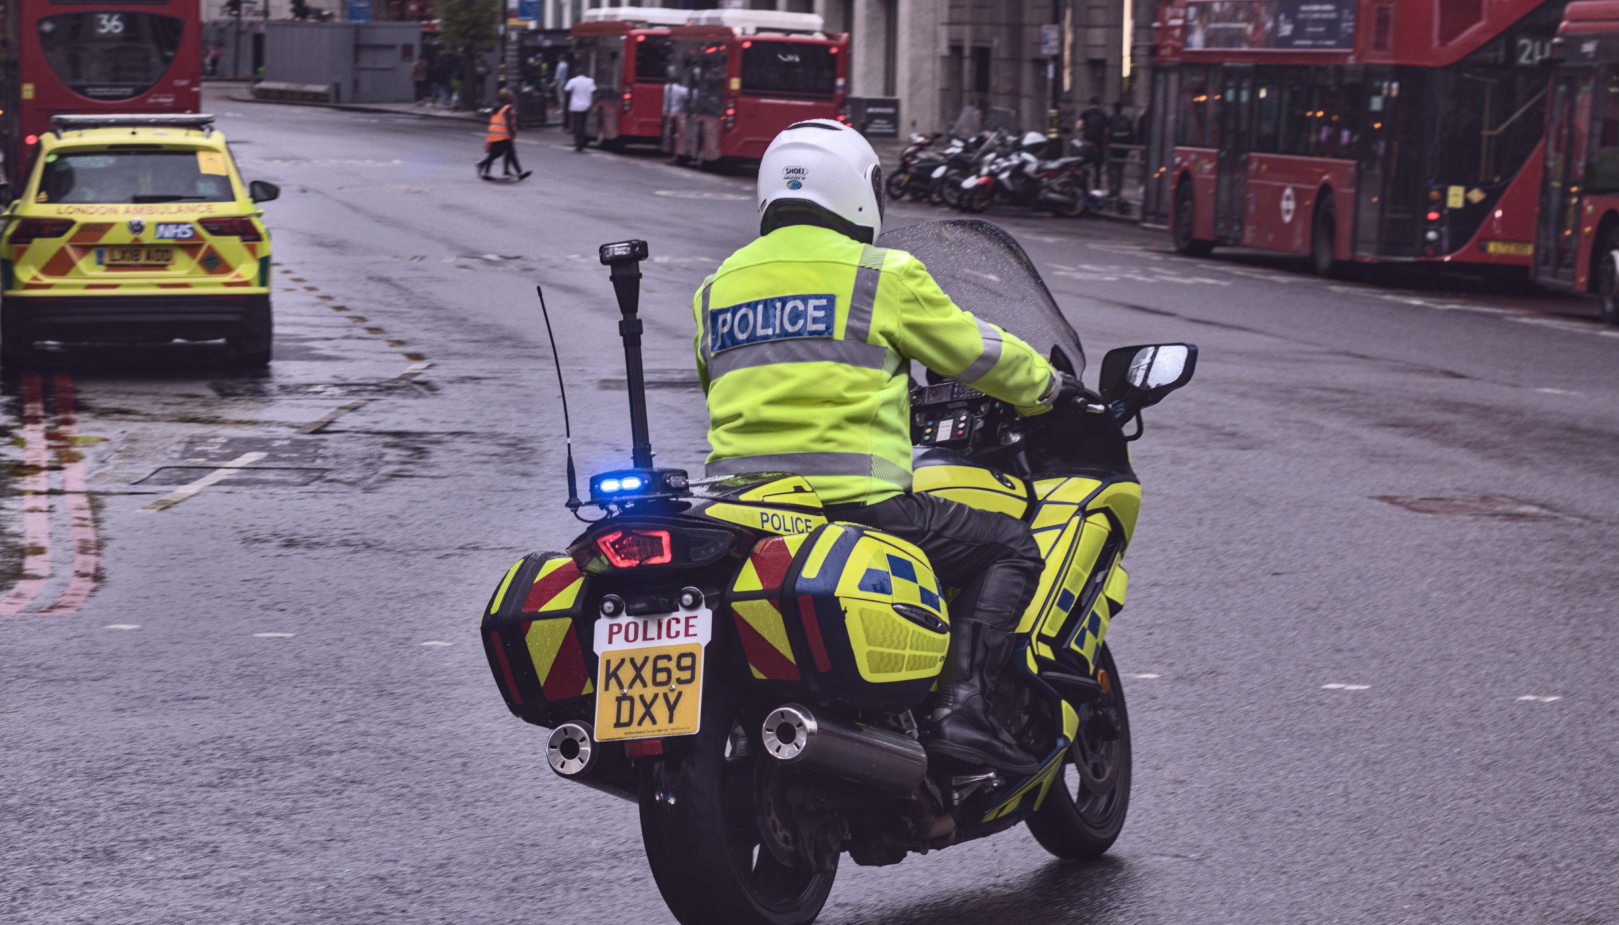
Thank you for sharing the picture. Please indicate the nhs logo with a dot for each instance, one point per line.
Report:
(771, 319)
(175, 231)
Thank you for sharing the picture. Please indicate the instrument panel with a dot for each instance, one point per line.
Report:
(946, 414)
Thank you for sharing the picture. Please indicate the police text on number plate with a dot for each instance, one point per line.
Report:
(650, 674)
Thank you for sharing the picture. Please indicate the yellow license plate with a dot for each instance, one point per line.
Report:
(1516, 248)
(651, 692)
(137, 256)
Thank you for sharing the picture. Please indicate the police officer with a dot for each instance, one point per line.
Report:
(822, 390)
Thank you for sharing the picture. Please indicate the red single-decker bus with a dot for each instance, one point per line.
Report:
(94, 58)
(741, 76)
(1351, 130)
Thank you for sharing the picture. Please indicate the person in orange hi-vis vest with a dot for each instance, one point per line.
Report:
(501, 141)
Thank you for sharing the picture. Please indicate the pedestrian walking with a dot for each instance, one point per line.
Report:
(581, 94)
(562, 96)
(216, 50)
(1121, 134)
(501, 142)
(418, 77)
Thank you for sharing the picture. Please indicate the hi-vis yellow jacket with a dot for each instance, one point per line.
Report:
(804, 343)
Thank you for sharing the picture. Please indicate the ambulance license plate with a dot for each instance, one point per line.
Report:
(649, 674)
(136, 256)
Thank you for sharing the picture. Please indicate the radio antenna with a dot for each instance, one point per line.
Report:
(573, 503)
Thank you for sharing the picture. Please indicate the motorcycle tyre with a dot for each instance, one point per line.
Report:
(896, 184)
(1069, 210)
(692, 849)
(1058, 825)
(977, 199)
(950, 191)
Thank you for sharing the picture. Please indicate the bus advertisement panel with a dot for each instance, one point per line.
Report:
(741, 76)
(1351, 130)
(93, 58)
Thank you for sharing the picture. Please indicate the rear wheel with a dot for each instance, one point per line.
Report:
(1324, 239)
(1605, 274)
(1066, 207)
(950, 190)
(700, 826)
(1084, 811)
(1183, 221)
(896, 184)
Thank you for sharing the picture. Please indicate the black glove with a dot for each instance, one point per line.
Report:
(1069, 390)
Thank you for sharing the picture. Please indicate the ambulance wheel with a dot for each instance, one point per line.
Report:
(1184, 220)
(16, 346)
(1085, 808)
(250, 349)
(701, 829)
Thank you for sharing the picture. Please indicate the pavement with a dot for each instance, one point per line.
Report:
(1368, 650)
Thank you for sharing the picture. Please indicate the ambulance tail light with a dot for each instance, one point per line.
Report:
(30, 228)
(231, 228)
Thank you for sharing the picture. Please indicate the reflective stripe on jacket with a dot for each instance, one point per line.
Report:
(804, 342)
(500, 126)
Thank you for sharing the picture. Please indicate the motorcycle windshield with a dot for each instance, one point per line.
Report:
(986, 272)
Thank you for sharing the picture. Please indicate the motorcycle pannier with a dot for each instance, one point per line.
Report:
(536, 635)
(842, 614)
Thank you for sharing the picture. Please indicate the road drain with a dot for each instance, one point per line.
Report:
(314, 389)
(267, 477)
(1477, 507)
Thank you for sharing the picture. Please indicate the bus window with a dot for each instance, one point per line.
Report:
(110, 55)
(1195, 127)
(652, 58)
(1603, 175)
(1268, 112)
(789, 67)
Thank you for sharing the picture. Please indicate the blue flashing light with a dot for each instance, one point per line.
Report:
(610, 485)
(631, 482)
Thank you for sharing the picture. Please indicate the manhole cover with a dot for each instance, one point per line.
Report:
(268, 477)
(1479, 507)
(276, 450)
(313, 389)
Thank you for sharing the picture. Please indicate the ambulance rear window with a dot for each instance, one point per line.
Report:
(136, 176)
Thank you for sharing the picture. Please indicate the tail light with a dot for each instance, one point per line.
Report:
(629, 96)
(730, 118)
(30, 228)
(635, 546)
(231, 227)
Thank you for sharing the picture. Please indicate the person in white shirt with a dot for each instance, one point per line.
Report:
(557, 85)
(581, 90)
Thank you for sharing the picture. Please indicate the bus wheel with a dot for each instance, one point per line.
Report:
(1606, 271)
(1324, 241)
(1181, 224)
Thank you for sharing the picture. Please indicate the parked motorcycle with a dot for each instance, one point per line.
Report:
(753, 674)
(1021, 178)
(898, 183)
(963, 162)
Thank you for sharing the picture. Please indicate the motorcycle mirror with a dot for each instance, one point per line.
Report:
(1140, 377)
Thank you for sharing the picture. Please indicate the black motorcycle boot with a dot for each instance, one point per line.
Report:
(960, 727)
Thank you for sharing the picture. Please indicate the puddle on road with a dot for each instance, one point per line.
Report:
(1477, 507)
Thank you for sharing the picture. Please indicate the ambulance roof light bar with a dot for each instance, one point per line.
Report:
(200, 120)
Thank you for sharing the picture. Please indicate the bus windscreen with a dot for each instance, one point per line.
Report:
(789, 67)
(110, 55)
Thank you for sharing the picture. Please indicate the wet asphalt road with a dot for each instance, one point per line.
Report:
(273, 708)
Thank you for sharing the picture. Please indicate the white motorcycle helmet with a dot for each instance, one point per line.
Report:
(823, 173)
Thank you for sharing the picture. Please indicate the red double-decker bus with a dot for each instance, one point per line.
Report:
(1577, 247)
(93, 57)
(1351, 130)
(741, 76)
(625, 49)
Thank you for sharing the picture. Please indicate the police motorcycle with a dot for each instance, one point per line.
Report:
(751, 674)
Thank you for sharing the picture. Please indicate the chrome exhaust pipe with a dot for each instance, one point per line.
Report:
(573, 752)
(866, 755)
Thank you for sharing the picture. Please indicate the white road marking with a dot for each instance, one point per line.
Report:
(437, 642)
(275, 635)
(1145, 677)
(1538, 698)
(332, 415)
(1346, 687)
(180, 494)
(414, 370)
(122, 626)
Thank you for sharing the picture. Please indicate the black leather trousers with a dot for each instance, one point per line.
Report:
(991, 557)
